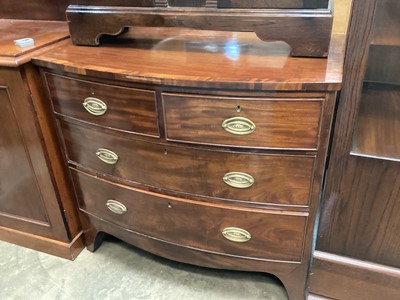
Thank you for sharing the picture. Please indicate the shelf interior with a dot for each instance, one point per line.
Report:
(377, 130)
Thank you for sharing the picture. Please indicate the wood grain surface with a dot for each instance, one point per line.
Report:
(236, 61)
(279, 123)
(24, 166)
(361, 201)
(44, 33)
(279, 179)
(347, 278)
(274, 236)
(18, 178)
(131, 110)
(376, 132)
(306, 31)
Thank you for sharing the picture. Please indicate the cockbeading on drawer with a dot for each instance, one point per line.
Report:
(117, 107)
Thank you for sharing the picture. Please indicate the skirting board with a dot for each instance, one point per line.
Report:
(65, 250)
(344, 278)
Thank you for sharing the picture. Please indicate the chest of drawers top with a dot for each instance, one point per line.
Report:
(201, 59)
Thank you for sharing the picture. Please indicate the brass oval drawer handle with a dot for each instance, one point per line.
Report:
(239, 126)
(107, 156)
(237, 235)
(238, 180)
(95, 106)
(116, 207)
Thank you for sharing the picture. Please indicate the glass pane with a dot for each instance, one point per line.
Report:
(377, 131)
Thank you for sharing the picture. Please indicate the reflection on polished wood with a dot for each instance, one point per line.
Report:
(193, 171)
(45, 34)
(275, 235)
(216, 59)
(305, 26)
(386, 24)
(377, 131)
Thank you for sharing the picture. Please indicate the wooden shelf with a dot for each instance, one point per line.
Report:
(377, 131)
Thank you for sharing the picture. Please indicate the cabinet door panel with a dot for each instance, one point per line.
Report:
(19, 193)
(28, 196)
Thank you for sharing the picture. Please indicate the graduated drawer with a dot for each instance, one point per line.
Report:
(116, 107)
(280, 179)
(243, 122)
(223, 229)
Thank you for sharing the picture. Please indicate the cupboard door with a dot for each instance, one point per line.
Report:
(359, 218)
(377, 130)
(28, 200)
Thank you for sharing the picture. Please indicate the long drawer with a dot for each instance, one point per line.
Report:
(116, 107)
(279, 179)
(233, 231)
(243, 122)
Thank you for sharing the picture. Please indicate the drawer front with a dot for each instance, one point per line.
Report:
(110, 106)
(273, 178)
(242, 122)
(221, 229)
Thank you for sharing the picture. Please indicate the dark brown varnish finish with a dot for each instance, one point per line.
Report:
(358, 238)
(280, 123)
(307, 30)
(128, 109)
(151, 56)
(34, 204)
(279, 179)
(274, 236)
(188, 175)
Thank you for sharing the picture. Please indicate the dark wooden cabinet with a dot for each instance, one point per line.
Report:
(36, 210)
(358, 242)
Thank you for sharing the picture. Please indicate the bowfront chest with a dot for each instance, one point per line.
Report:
(202, 147)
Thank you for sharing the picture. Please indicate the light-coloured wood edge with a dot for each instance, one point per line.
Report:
(316, 297)
(22, 59)
(341, 277)
(64, 250)
(341, 21)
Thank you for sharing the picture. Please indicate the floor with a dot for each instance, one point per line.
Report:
(120, 271)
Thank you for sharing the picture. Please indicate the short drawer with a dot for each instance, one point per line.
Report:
(223, 229)
(243, 122)
(279, 179)
(110, 106)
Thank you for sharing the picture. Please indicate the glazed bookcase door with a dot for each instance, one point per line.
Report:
(377, 129)
(358, 237)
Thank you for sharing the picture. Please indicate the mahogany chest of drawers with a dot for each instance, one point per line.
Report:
(196, 156)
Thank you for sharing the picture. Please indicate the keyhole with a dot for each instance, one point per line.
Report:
(92, 91)
(238, 108)
(165, 152)
(169, 205)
